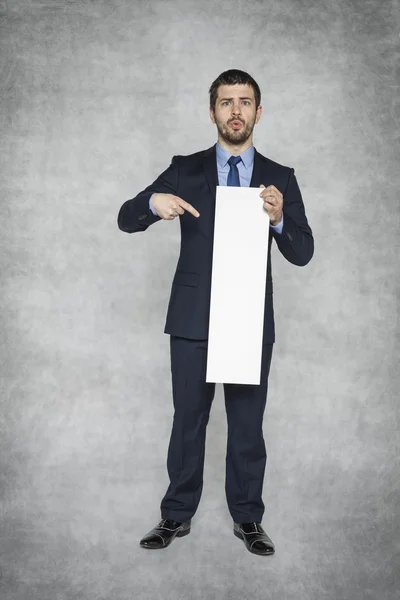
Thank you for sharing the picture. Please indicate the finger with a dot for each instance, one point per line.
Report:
(186, 206)
(273, 203)
(269, 203)
(274, 189)
(178, 209)
(277, 198)
(271, 189)
(268, 192)
(270, 198)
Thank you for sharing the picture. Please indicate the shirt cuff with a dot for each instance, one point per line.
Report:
(278, 228)
(151, 206)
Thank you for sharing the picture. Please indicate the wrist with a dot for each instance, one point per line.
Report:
(275, 223)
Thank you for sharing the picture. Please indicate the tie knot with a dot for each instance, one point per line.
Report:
(234, 160)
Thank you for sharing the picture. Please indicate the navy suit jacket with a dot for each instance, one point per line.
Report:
(194, 178)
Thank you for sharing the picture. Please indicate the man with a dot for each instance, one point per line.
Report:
(187, 188)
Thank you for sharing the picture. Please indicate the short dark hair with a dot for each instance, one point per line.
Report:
(232, 77)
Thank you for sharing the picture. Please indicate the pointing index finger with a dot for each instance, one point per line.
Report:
(186, 206)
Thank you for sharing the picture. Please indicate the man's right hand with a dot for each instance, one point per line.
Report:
(168, 206)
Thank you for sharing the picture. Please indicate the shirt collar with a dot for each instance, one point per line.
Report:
(223, 156)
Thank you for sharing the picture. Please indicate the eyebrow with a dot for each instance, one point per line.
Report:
(241, 98)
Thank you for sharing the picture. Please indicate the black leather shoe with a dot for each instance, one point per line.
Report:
(163, 534)
(254, 537)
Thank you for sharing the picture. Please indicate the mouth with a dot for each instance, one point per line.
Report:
(236, 124)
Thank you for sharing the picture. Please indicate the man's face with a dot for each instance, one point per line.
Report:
(235, 113)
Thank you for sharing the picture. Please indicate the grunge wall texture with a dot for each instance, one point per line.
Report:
(97, 96)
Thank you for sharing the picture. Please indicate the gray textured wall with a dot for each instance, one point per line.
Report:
(97, 97)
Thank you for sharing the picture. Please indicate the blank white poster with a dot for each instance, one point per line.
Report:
(239, 270)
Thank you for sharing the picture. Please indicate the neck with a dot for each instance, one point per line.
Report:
(235, 149)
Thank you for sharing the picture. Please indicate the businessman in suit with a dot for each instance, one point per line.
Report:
(187, 189)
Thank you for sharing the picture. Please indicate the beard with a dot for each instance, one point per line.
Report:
(235, 136)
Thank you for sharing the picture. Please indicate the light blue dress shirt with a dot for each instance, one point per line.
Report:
(245, 168)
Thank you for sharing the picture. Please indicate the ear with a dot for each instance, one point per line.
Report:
(212, 117)
(258, 113)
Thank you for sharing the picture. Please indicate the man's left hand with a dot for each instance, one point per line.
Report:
(273, 203)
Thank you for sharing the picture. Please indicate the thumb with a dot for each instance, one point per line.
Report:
(261, 185)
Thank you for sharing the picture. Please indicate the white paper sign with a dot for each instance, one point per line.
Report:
(239, 270)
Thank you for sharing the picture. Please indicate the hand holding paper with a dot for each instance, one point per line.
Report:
(273, 203)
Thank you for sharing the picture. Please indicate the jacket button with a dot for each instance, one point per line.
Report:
(290, 237)
(142, 217)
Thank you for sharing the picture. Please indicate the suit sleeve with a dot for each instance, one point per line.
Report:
(135, 214)
(296, 241)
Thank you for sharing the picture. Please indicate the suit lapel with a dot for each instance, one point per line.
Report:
(256, 177)
(210, 168)
(211, 173)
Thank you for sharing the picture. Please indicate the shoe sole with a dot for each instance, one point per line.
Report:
(180, 534)
(239, 535)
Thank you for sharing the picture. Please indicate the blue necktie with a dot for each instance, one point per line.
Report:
(233, 175)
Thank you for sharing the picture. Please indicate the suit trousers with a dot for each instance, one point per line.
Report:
(246, 454)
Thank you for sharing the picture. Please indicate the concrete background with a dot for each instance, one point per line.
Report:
(97, 96)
